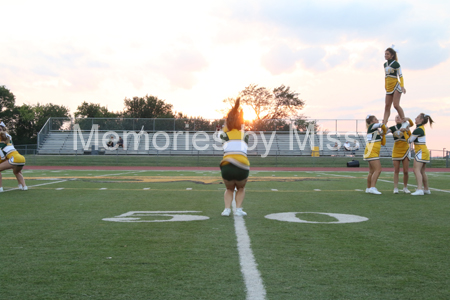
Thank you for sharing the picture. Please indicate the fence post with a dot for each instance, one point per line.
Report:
(276, 158)
(446, 163)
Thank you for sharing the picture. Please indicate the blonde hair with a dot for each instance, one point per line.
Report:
(235, 117)
(369, 120)
(4, 137)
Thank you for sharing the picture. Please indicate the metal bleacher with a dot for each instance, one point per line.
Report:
(282, 143)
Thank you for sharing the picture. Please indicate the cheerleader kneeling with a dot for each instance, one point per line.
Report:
(11, 159)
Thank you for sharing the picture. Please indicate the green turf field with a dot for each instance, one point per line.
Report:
(70, 237)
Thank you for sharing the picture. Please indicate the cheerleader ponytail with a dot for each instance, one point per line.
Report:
(427, 119)
(235, 117)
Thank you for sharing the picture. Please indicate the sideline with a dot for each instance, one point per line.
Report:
(156, 168)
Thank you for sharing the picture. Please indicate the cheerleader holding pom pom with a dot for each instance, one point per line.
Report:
(372, 153)
(422, 154)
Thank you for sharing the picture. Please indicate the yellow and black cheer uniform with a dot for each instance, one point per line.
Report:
(401, 149)
(8, 152)
(235, 164)
(373, 146)
(422, 154)
(392, 71)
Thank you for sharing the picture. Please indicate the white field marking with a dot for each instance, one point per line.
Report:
(348, 176)
(102, 189)
(252, 277)
(317, 190)
(59, 189)
(47, 183)
(291, 217)
(433, 189)
(129, 172)
(188, 189)
(358, 190)
(146, 188)
(274, 190)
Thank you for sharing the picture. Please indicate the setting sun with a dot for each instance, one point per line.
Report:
(249, 114)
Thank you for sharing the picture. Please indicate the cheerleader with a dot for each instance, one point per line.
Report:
(3, 128)
(400, 154)
(11, 159)
(234, 166)
(372, 153)
(422, 154)
(394, 85)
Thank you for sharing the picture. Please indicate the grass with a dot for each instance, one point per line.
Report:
(56, 245)
(201, 161)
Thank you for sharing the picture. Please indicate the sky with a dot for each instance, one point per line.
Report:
(194, 54)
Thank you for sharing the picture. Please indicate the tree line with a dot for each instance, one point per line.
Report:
(271, 107)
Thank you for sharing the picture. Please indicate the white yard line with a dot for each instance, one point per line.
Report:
(129, 172)
(348, 176)
(433, 189)
(252, 277)
(41, 184)
(47, 183)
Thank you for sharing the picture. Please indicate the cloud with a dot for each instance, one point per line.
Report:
(280, 59)
(420, 30)
(283, 59)
(179, 65)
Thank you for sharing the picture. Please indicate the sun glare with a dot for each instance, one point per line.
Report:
(249, 114)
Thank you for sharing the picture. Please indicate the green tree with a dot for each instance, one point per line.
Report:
(93, 110)
(24, 130)
(29, 120)
(274, 109)
(7, 99)
(7, 102)
(147, 107)
(281, 103)
(286, 103)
